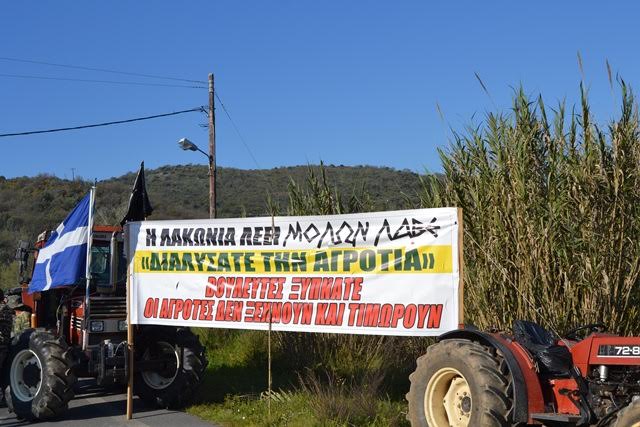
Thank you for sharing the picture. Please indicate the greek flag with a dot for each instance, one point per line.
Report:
(63, 259)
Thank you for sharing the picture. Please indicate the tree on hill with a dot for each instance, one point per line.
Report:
(29, 206)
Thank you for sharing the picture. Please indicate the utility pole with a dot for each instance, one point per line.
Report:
(212, 150)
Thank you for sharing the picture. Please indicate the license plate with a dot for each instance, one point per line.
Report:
(619, 351)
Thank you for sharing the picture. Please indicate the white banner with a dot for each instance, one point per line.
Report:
(381, 273)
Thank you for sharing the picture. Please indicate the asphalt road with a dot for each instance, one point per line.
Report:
(96, 407)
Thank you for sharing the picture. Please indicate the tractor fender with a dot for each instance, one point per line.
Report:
(520, 398)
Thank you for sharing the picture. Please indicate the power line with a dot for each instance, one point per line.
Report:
(137, 119)
(105, 70)
(102, 70)
(237, 130)
(24, 76)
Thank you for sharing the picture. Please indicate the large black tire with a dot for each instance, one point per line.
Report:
(175, 387)
(628, 416)
(39, 376)
(460, 383)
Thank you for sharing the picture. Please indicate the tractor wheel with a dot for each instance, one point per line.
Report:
(628, 416)
(460, 383)
(40, 379)
(174, 385)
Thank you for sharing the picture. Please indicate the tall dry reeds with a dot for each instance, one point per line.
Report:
(551, 213)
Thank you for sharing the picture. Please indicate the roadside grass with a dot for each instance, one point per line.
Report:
(251, 410)
(234, 391)
(294, 410)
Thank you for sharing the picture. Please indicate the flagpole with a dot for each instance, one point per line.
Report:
(130, 348)
(139, 208)
(92, 199)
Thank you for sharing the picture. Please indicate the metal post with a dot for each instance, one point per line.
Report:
(212, 150)
(87, 308)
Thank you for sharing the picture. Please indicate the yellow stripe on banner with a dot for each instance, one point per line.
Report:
(423, 259)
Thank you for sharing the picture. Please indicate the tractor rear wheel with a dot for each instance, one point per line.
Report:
(39, 376)
(628, 416)
(460, 383)
(174, 385)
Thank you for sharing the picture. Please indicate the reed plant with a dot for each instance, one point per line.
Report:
(551, 214)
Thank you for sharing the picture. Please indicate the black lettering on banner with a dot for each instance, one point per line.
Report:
(294, 233)
(313, 227)
(245, 237)
(198, 236)
(211, 237)
(151, 237)
(165, 238)
(416, 229)
(176, 239)
(186, 237)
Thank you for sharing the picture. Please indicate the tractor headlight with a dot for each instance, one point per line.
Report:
(122, 325)
(96, 326)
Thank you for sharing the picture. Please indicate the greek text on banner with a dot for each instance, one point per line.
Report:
(388, 273)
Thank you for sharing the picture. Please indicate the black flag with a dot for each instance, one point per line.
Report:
(139, 205)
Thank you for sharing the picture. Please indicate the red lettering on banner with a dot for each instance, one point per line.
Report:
(164, 310)
(390, 316)
(186, 309)
(434, 311)
(385, 316)
(372, 313)
(409, 316)
(208, 310)
(229, 311)
(245, 287)
(329, 314)
(435, 315)
(310, 300)
(177, 307)
(398, 312)
(196, 309)
(326, 288)
(149, 308)
(209, 289)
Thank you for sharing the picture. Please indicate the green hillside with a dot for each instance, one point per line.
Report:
(29, 205)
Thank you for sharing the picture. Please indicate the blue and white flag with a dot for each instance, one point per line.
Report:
(63, 259)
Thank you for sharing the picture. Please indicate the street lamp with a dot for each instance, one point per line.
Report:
(187, 145)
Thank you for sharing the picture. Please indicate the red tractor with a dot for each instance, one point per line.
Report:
(530, 377)
(79, 332)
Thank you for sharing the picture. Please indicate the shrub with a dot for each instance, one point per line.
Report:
(342, 401)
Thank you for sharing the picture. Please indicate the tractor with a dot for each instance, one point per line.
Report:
(529, 376)
(75, 331)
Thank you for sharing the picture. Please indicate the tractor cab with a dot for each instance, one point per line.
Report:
(92, 320)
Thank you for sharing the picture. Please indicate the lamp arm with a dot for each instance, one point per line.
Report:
(203, 153)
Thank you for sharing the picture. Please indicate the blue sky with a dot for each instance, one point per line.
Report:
(347, 82)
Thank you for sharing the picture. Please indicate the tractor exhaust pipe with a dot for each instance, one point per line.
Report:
(603, 370)
(114, 259)
(113, 253)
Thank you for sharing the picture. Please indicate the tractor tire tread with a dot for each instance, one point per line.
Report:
(56, 389)
(627, 416)
(488, 371)
(178, 394)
